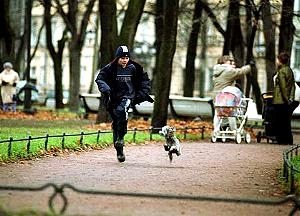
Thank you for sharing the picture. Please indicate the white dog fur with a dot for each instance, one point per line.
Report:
(172, 144)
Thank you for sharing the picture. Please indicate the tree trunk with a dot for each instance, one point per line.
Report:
(203, 63)
(189, 72)
(234, 37)
(75, 55)
(252, 78)
(130, 23)
(269, 35)
(168, 47)
(55, 56)
(109, 32)
(108, 44)
(58, 84)
(6, 34)
(287, 28)
(159, 24)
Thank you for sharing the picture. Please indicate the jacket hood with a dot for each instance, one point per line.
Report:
(218, 69)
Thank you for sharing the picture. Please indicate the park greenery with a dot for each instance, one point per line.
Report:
(56, 133)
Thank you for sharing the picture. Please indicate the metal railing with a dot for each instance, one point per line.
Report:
(81, 135)
(58, 192)
(290, 170)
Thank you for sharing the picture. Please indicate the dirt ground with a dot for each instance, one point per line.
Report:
(242, 171)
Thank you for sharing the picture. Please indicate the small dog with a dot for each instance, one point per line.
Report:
(172, 144)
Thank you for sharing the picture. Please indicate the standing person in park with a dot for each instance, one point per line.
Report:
(283, 100)
(122, 82)
(224, 74)
(8, 82)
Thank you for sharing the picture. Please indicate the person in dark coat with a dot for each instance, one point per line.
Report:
(283, 100)
(122, 83)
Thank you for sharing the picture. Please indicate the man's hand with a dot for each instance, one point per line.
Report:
(106, 98)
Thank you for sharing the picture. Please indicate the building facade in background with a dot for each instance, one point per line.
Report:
(42, 66)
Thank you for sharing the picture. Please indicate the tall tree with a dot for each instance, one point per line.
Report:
(12, 35)
(165, 62)
(251, 32)
(269, 35)
(234, 38)
(159, 11)
(189, 72)
(287, 28)
(108, 43)
(203, 60)
(131, 20)
(7, 35)
(109, 31)
(56, 56)
(77, 30)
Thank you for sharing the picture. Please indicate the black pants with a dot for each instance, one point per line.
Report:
(282, 124)
(119, 115)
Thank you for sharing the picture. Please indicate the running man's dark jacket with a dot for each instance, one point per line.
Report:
(107, 82)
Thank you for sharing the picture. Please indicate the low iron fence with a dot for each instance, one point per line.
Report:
(59, 192)
(28, 140)
(290, 170)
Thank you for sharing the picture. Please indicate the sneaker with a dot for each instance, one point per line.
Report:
(120, 153)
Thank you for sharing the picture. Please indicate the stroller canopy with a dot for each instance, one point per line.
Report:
(229, 96)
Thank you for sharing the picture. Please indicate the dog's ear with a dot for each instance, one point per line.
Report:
(163, 131)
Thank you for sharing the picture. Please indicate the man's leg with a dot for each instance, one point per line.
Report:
(118, 143)
(120, 127)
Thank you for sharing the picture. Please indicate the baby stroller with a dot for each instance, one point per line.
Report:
(231, 106)
(268, 118)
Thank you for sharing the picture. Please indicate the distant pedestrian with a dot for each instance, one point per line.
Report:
(122, 83)
(8, 81)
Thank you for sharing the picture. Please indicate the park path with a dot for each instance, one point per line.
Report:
(204, 169)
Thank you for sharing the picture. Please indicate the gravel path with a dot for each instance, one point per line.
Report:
(204, 169)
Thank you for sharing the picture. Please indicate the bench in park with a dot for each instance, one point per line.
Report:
(179, 106)
(90, 102)
(191, 106)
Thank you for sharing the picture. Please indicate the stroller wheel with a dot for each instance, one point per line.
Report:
(247, 138)
(213, 138)
(238, 138)
(223, 140)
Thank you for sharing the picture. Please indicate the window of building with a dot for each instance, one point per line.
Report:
(297, 55)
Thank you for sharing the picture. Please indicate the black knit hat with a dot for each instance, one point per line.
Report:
(122, 51)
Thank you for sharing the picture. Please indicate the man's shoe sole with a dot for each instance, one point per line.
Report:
(120, 153)
(121, 159)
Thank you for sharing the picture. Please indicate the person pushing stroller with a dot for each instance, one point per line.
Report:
(224, 74)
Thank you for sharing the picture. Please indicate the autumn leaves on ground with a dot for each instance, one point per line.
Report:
(193, 127)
